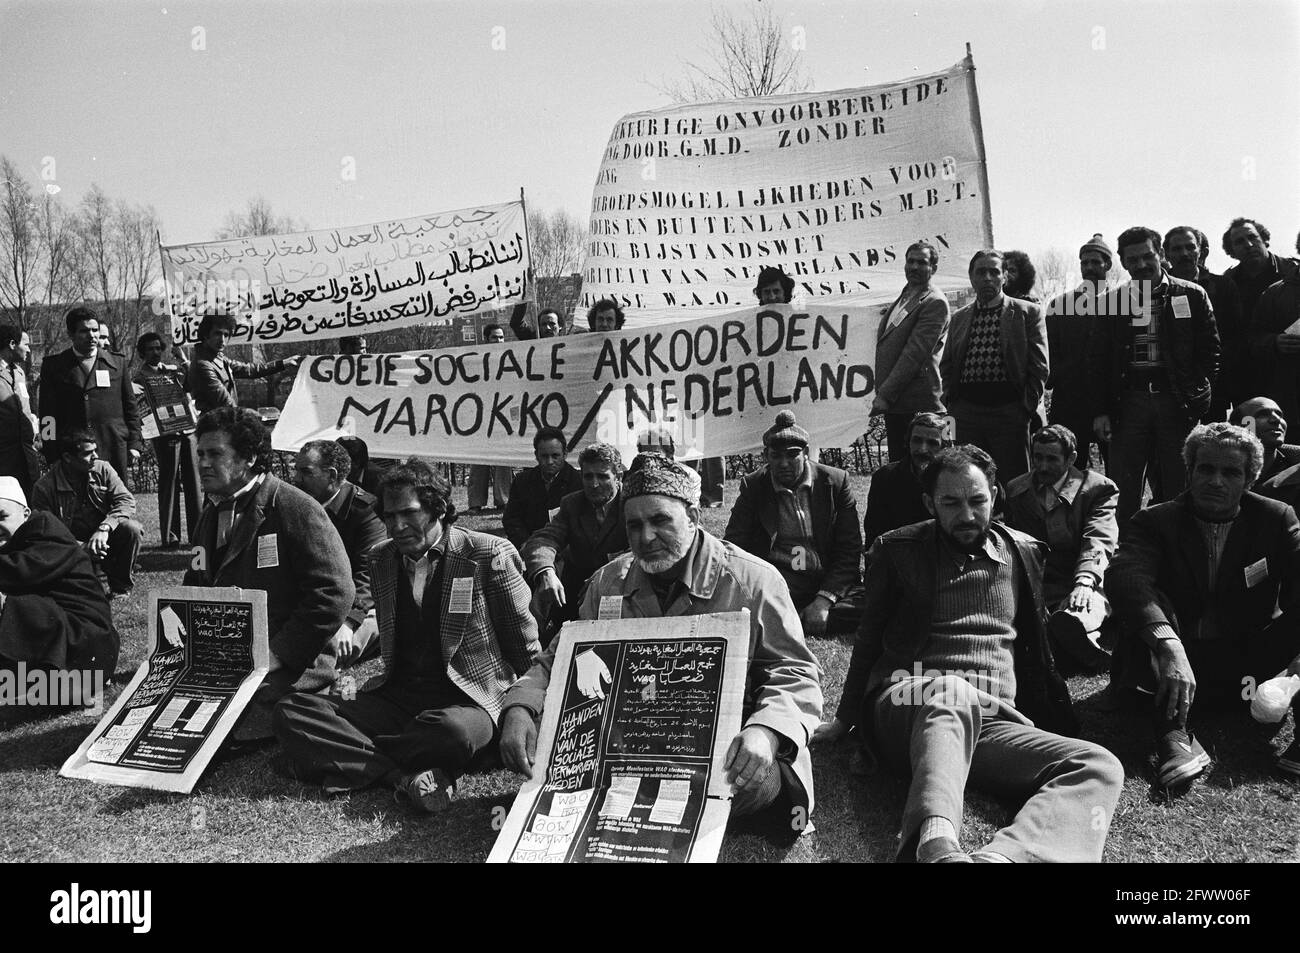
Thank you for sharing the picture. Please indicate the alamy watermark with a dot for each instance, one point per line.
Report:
(61, 688)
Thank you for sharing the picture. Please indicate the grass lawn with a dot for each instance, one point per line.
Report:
(242, 811)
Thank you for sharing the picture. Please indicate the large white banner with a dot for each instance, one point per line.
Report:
(323, 284)
(693, 201)
(712, 385)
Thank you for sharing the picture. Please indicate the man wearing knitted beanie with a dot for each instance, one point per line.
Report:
(801, 517)
(677, 568)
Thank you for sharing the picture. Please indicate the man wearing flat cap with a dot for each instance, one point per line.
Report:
(801, 517)
(676, 568)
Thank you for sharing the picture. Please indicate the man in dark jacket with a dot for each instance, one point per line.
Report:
(587, 532)
(53, 612)
(1205, 588)
(950, 666)
(211, 375)
(1071, 318)
(894, 497)
(86, 386)
(1275, 345)
(1186, 256)
(1152, 362)
(320, 471)
(1264, 418)
(258, 532)
(801, 517)
(535, 493)
(1257, 268)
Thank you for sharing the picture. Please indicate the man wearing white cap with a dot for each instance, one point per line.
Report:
(677, 568)
(53, 612)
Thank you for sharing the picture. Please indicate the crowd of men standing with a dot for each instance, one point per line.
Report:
(995, 553)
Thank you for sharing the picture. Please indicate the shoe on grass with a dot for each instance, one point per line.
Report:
(1289, 762)
(1181, 757)
(428, 791)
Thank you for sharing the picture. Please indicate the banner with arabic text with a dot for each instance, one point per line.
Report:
(347, 281)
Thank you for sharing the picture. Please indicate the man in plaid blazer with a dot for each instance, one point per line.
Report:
(454, 633)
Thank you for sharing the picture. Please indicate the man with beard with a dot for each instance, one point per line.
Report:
(801, 517)
(587, 532)
(1073, 512)
(1019, 277)
(952, 680)
(908, 344)
(535, 493)
(1205, 589)
(994, 368)
(894, 497)
(676, 568)
(1151, 364)
(1186, 257)
(1070, 320)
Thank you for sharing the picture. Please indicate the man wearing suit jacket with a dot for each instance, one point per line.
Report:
(994, 368)
(535, 493)
(801, 517)
(321, 471)
(1206, 588)
(1151, 363)
(677, 569)
(258, 532)
(908, 346)
(894, 497)
(587, 532)
(454, 632)
(18, 426)
(87, 386)
(1073, 512)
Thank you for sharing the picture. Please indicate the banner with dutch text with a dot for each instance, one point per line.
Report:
(710, 386)
(692, 201)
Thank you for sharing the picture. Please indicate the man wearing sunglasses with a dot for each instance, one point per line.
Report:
(801, 517)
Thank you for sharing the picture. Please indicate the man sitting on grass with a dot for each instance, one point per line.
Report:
(53, 613)
(952, 680)
(1205, 588)
(454, 633)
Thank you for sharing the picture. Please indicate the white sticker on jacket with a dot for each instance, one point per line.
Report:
(268, 552)
(101, 378)
(462, 595)
(1256, 573)
(1182, 309)
(611, 607)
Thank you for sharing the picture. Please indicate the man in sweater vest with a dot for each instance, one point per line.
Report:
(454, 633)
(952, 680)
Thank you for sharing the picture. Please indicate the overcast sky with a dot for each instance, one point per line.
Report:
(1096, 115)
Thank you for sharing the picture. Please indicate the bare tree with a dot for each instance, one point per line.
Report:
(95, 238)
(19, 242)
(258, 218)
(1054, 272)
(555, 243)
(62, 275)
(750, 54)
(135, 246)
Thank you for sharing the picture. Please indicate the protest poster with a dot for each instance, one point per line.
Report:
(713, 385)
(693, 200)
(639, 716)
(208, 653)
(308, 286)
(165, 407)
